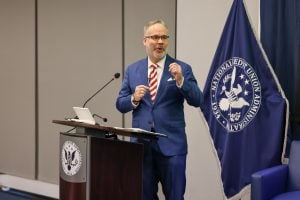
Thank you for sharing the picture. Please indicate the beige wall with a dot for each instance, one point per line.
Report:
(17, 87)
(79, 50)
(80, 45)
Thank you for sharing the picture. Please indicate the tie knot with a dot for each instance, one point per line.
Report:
(153, 67)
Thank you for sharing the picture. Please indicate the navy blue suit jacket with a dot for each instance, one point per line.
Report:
(166, 114)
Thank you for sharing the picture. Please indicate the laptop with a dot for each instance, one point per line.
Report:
(84, 115)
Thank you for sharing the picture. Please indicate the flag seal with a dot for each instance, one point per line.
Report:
(235, 94)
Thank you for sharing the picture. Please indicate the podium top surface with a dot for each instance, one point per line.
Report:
(130, 132)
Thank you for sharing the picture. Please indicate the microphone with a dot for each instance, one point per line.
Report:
(103, 118)
(116, 75)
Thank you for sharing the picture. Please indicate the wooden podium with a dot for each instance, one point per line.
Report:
(94, 164)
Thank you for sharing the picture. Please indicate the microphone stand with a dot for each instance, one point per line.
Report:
(103, 118)
(108, 135)
(97, 92)
(116, 75)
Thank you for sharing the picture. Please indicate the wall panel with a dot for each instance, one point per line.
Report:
(80, 49)
(17, 80)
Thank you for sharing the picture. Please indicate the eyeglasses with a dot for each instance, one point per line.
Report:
(157, 37)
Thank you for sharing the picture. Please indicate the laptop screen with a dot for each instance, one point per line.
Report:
(84, 115)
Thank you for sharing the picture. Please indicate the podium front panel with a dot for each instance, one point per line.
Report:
(73, 166)
(94, 167)
(73, 157)
(116, 169)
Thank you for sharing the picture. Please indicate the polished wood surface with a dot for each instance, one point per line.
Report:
(71, 191)
(116, 170)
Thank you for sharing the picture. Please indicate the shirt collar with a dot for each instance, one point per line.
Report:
(160, 63)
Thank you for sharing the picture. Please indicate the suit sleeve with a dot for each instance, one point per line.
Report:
(190, 89)
(123, 102)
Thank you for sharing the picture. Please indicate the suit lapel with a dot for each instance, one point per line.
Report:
(163, 82)
(144, 78)
(144, 72)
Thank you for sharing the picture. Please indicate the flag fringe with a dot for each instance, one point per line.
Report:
(245, 191)
(214, 152)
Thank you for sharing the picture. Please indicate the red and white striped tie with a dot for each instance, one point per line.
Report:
(153, 82)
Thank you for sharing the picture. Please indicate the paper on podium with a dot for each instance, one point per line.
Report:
(139, 130)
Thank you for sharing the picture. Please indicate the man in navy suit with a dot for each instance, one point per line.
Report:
(165, 158)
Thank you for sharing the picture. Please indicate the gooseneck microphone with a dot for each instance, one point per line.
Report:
(116, 76)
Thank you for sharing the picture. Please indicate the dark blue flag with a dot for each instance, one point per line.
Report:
(245, 107)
